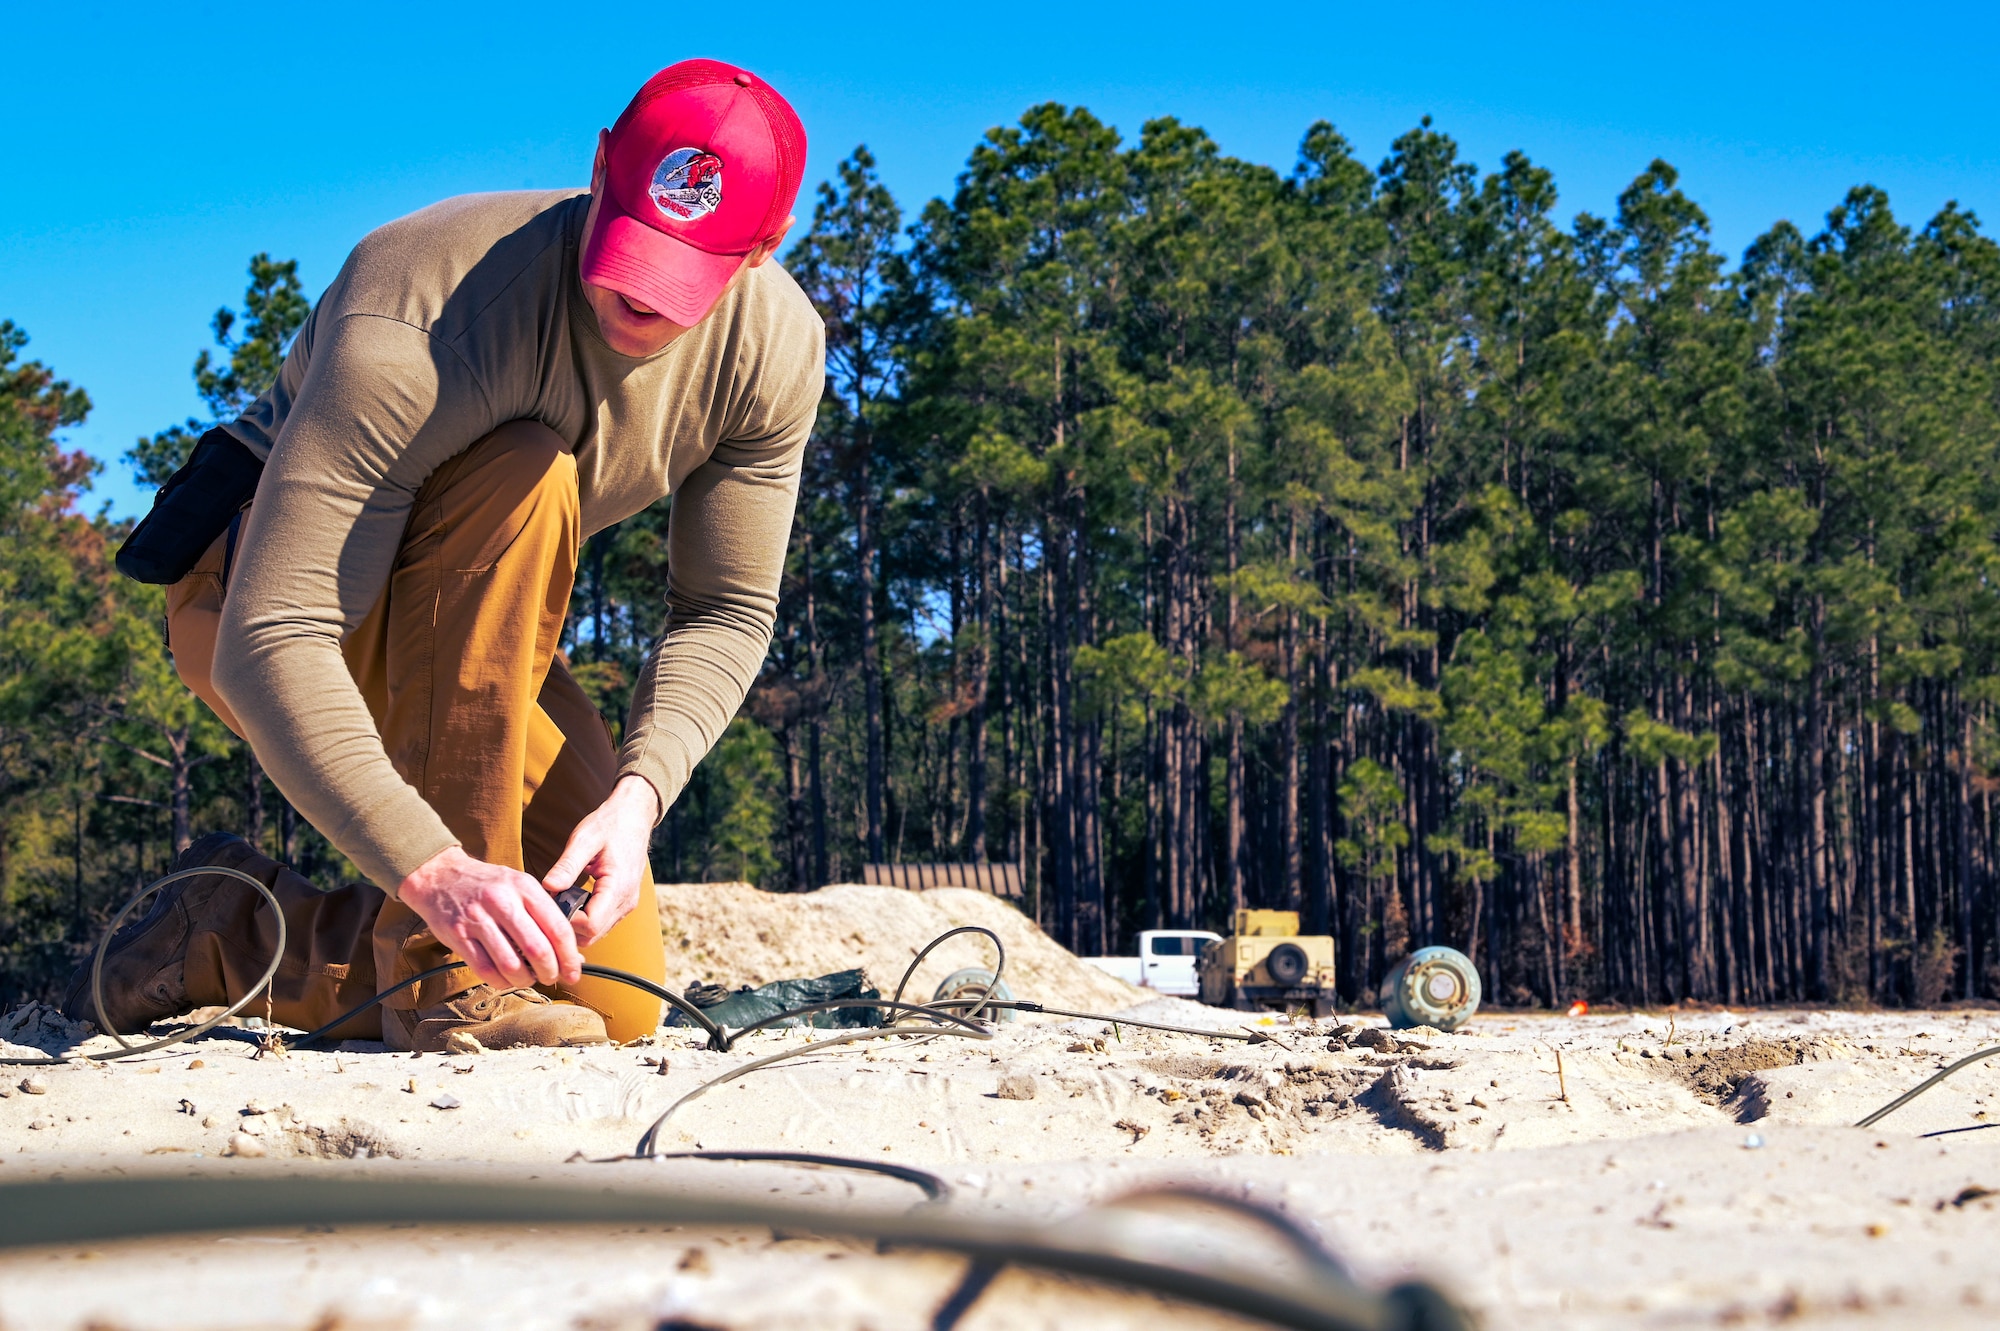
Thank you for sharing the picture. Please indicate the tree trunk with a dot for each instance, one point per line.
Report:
(1288, 740)
(1232, 832)
(979, 668)
(253, 800)
(874, 800)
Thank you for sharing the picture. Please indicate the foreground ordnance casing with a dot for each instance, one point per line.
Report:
(1268, 963)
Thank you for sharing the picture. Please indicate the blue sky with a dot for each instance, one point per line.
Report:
(157, 147)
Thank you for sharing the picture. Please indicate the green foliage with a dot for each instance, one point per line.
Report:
(1371, 800)
(274, 309)
(741, 774)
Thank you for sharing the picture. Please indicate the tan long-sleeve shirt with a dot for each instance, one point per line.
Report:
(440, 327)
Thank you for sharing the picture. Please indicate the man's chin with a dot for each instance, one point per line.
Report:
(640, 336)
(629, 342)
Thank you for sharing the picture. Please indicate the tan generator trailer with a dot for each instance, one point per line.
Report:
(1268, 963)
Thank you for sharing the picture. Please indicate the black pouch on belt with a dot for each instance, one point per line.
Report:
(191, 510)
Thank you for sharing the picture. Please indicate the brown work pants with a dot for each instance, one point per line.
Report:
(458, 662)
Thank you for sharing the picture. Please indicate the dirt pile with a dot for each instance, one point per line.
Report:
(1714, 1074)
(37, 1027)
(733, 934)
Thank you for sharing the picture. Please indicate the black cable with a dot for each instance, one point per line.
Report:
(648, 1140)
(1314, 1297)
(1913, 1093)
(1246, 1035)
(832, 1004)
(934, 1188)
(648, 1144)
(97, 977)
(1301, 1240)
(999, 968)
(979, 1274)
(715, 1032)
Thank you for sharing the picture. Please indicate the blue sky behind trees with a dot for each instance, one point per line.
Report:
(161, 147)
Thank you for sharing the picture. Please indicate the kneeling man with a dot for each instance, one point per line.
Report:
(485, 384)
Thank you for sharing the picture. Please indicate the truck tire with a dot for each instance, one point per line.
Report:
(1287, 963)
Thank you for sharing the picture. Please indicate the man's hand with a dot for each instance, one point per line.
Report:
(609, 846)
(500, 921)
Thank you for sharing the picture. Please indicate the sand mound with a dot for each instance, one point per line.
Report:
(1715, 1074)
(734, 934)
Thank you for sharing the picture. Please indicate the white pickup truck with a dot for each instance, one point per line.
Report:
(1165, 961)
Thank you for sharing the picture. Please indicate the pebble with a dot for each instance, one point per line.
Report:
(256, 1107)
(37, 1124)
(463, 1042)
(1017, 1086)
(446, 1102)
(245, 1145)
(34, 1086)
(208, 1121)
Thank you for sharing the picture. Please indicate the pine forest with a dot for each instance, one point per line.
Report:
(1386, 543)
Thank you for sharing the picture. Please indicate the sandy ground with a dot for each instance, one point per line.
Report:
(1681, 1171)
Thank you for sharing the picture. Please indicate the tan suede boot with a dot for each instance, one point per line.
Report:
(146, 975)
(497, 1018)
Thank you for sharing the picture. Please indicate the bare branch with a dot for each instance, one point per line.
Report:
(128, 799)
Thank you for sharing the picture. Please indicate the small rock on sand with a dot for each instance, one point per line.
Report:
(245, 1145)
(1016, 1086)
(34, 1086)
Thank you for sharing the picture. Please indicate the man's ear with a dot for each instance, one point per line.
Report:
(766, 248)
(597, 167)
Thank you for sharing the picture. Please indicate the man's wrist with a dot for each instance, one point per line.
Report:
(636, 791)
(427, 873)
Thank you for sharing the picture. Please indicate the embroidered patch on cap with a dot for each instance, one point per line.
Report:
(687, 184)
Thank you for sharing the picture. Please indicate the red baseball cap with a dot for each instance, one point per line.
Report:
(704, 164)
